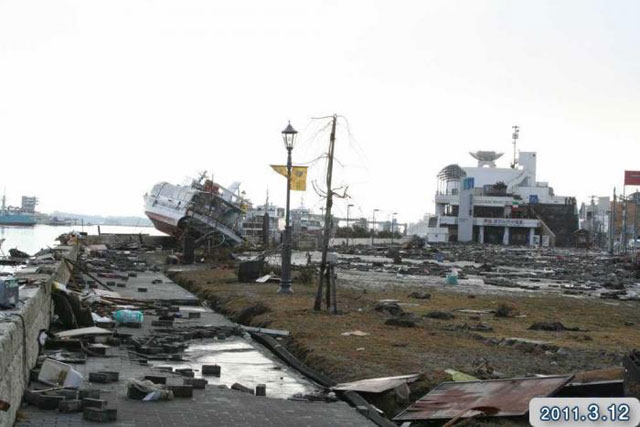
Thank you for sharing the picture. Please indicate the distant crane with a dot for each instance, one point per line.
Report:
(516, 131)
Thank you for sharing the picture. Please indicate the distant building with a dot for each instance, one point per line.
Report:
(487, 204)
(255, 224)
(594, 219)
(632, 222)
(29, 204)
(428, 228)
(304, 220)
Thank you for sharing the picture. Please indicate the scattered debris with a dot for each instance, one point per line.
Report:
(553, 326)
(376, 385)
(443, 315)
(420, 295)
(389, 307)
(460, 376)
(506, 310)
(404, 322)
(355, 333)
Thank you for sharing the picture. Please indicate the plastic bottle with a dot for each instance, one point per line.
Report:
(128, 316)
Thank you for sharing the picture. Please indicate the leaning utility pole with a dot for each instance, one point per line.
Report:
(327, 229)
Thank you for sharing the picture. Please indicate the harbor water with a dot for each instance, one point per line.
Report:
(32, 239)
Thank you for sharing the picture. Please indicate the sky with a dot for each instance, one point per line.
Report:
(100, 100)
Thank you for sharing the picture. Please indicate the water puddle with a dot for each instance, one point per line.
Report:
(241, 362)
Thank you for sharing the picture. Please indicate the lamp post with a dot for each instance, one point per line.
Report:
(348, 229)
(289, 138)
(393, 225)
(373, 226)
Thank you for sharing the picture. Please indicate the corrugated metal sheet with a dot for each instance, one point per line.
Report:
(376, 385)
(510, 397)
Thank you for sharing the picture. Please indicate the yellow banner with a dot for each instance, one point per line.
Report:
(298, 176)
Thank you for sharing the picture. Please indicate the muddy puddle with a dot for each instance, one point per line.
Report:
(243, 362)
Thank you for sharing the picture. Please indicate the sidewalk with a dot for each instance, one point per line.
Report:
(216, 405)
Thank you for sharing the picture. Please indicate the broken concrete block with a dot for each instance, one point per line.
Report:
(68, 394)
(185, 372)
(70, 405)
(240, 387)
(136, 325)
(94, 403)
(100, 415)
(181, 390)
(196, 383)
(31, 398)
(211, 370)
(112, 375)
(49, 402)
(100, 350)
(89, 393)
(162, 323)
(97, 377)
(142, 289)
(156, 379)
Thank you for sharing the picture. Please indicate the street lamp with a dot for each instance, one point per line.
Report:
(393, 225)
(289, 138)
(348, 229)
(373, 226)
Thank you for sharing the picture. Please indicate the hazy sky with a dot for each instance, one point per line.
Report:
(99, 100)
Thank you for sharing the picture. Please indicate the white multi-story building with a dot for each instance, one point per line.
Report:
(489, 204)
(255, 224)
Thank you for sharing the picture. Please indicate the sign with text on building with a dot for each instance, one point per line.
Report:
(508, 222)
(631, 177)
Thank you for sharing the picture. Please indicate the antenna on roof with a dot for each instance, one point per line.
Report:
(516, 131)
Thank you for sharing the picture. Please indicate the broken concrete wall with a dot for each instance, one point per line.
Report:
(19, 342)
(124, 239)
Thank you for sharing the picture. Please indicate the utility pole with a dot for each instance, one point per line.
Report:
(348, 229)
(373, 226)
(327, 229)
(624, 219)
(265, 223)
(393, 225)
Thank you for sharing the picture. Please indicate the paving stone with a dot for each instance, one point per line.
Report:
(94, 403)
(100, 415)
(181, 390)
(213, 370)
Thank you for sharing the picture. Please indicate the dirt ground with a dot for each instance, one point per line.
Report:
(608, 329)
